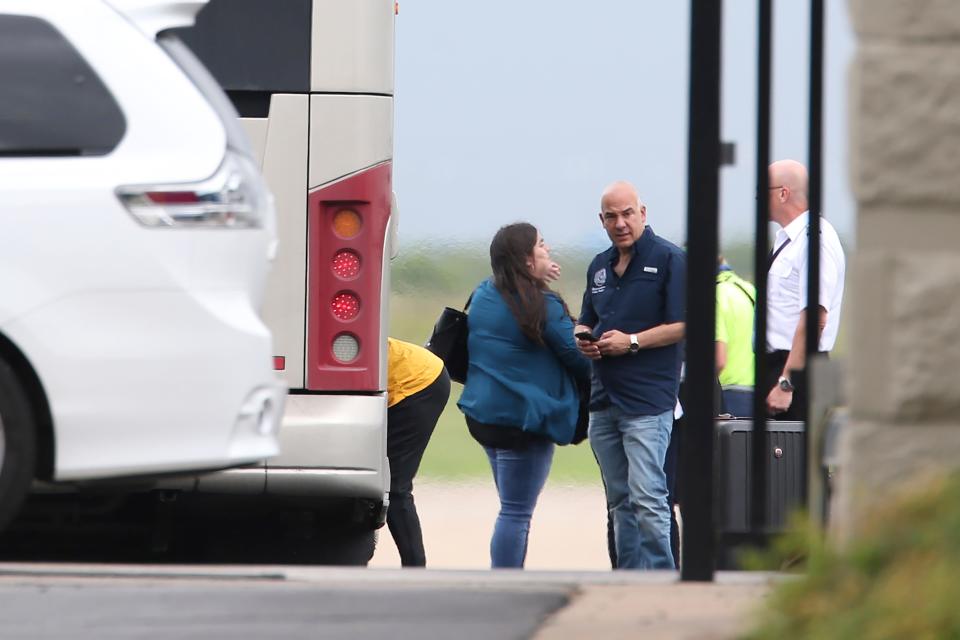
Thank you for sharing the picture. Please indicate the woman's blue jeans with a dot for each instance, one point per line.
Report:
(520, 475)
(631, 452)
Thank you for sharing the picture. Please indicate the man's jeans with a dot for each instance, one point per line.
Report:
(631, 452)
(520, 475)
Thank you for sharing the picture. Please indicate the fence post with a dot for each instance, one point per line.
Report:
(703, 187)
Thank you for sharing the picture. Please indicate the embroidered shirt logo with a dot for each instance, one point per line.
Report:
(600, 277)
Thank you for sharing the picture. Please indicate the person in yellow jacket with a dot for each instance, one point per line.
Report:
(418, 388)
(734, 340)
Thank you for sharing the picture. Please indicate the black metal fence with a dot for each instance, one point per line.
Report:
(698, 546)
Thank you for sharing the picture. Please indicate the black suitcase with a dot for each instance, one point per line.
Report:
(733, 469)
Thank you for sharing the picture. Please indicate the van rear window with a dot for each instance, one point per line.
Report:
(52, 103)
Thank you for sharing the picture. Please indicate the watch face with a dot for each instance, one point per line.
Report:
(786, 385)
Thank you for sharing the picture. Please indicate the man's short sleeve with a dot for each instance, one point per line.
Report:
(676, 289)
(829, 278)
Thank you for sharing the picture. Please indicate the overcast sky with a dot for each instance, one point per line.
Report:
(525, 109)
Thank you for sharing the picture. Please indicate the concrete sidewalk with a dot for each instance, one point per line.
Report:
(653, 609)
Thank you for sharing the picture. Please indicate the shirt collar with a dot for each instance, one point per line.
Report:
(645, 239)
(798, 224)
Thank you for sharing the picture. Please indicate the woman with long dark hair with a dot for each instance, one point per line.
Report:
(520, 397)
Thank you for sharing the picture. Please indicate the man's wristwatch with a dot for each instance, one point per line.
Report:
(785, 383)
(634, 344)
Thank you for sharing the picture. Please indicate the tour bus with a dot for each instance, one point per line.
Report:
(312, 82)
(135, 238)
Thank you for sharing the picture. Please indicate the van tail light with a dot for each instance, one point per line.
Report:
(347, 229)
(234, 197)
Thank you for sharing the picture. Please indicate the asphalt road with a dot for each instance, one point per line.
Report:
(188, 606)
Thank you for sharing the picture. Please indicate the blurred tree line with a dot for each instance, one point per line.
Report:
(443, 270)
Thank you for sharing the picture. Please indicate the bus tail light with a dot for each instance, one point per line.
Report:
(346, 223)
(347, 228)
(345, 306)
(346, 264)
(345, 348)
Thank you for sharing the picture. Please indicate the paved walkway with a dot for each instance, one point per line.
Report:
(568, 531)
(568, 545)
(603, 605)
(671, 610)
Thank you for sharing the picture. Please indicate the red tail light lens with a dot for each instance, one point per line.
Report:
(345, 306)
(172, 197)
(346, 265)
(234, 197)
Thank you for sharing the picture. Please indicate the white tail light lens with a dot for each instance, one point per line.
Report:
(346, 347)
(234, 197)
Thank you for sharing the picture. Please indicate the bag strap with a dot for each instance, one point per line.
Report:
(467, 306)
(745, 292)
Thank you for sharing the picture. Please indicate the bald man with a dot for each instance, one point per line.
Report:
(787, 290)
(633, 309)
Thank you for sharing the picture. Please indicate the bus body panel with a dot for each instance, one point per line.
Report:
(335, 440)
(284, 165)
(352, 46)
(256, 130)
(331, 446)
(348, 133)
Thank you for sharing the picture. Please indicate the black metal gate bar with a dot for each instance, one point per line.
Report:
(758, 501)
(815, 164)
(703, 188)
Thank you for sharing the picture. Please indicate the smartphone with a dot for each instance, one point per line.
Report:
(586, 335)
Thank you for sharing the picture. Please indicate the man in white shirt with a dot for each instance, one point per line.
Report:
(787, 289)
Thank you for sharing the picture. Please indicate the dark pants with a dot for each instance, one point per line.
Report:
(410, 424)
(738, 403)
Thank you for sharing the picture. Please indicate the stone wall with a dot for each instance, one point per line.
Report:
(905, 330)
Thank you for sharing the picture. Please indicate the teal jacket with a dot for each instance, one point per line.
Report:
(513, 381)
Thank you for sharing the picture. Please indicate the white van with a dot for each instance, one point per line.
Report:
(135, 239)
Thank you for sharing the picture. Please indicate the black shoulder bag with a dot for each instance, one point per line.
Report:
(449, 341)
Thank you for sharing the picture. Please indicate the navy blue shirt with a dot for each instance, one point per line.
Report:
(651, 292)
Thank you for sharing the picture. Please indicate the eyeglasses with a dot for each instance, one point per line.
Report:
(779, 186)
